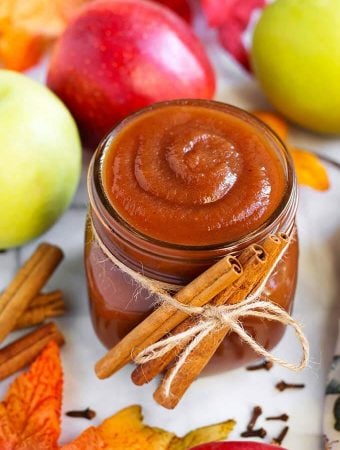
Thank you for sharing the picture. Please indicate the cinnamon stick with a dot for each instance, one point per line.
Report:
(46, 299)
(249, 282)
(146, 372)
(197, 293)
(23, 351)
(37, 315)
(26, 285)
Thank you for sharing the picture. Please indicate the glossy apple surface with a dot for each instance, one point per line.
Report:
(40, 157)
(180, 7)
(236, 446)
(296, 58)
(118, 56)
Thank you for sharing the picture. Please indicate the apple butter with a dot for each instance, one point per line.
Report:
(172, 189)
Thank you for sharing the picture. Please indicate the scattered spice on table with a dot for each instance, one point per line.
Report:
(260, 432)
(283, 417)
(282, 386)
(280, 438)
(87, 413)
(256, 413)
(266, 365)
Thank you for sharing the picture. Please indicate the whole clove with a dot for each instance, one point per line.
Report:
(257, 411)
(280, 438)
(87, 413)
(260, 432)
(282, 386)
(282, 417)
(266, 365)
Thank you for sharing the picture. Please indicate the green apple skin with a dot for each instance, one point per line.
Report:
(40, 157)
(296, 58)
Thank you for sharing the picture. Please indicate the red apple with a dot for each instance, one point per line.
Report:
(181, 7)
(236, 446)
(118, 56)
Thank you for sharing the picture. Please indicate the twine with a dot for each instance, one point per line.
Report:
(212, 319)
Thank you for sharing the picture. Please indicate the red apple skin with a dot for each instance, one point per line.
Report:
(235, 446)
(118, 56)
(180, 7)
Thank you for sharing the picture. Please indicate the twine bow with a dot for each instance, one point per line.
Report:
(213, 318)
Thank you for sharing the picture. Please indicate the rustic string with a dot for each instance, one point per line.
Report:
(213, 318)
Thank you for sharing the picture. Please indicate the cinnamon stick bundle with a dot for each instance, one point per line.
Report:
(255, 270)
(146, 372)
(26, 285)
(23, 351)
(197, 293)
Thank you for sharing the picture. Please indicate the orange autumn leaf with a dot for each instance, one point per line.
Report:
(309, 170)
(88, 440)
(275, 122)
(27, 27)
(126, 431)
(33, 402)
(9, 439)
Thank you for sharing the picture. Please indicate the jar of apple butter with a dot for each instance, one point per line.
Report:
(172, 189)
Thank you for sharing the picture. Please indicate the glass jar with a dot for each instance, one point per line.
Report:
(117, 304)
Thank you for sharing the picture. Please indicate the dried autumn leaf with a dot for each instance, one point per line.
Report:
(309, 170)
(210, 433)
(33, 402)
(275, 122)
(28, 26)
(9, 439)
(90, 439)
(126, 431)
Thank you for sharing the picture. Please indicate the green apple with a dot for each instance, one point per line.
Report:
(296, 58)
(40, 157)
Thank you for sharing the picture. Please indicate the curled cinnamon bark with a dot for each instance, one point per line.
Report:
(23, 351)
(26, 285)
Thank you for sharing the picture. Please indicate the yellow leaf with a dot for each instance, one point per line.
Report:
(309, 170)
(126, 431)
(210, 433)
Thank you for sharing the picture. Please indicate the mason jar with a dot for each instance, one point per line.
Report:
(118, 303)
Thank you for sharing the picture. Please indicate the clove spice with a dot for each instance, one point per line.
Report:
(260, 432)
(257, 411)
(282, 386)
(280, 438)
(282, 417)
(266, 365)
(87, 413)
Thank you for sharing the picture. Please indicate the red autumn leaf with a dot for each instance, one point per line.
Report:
(232, 18)
(33, 403)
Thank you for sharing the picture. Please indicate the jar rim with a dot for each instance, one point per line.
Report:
(287, 205)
